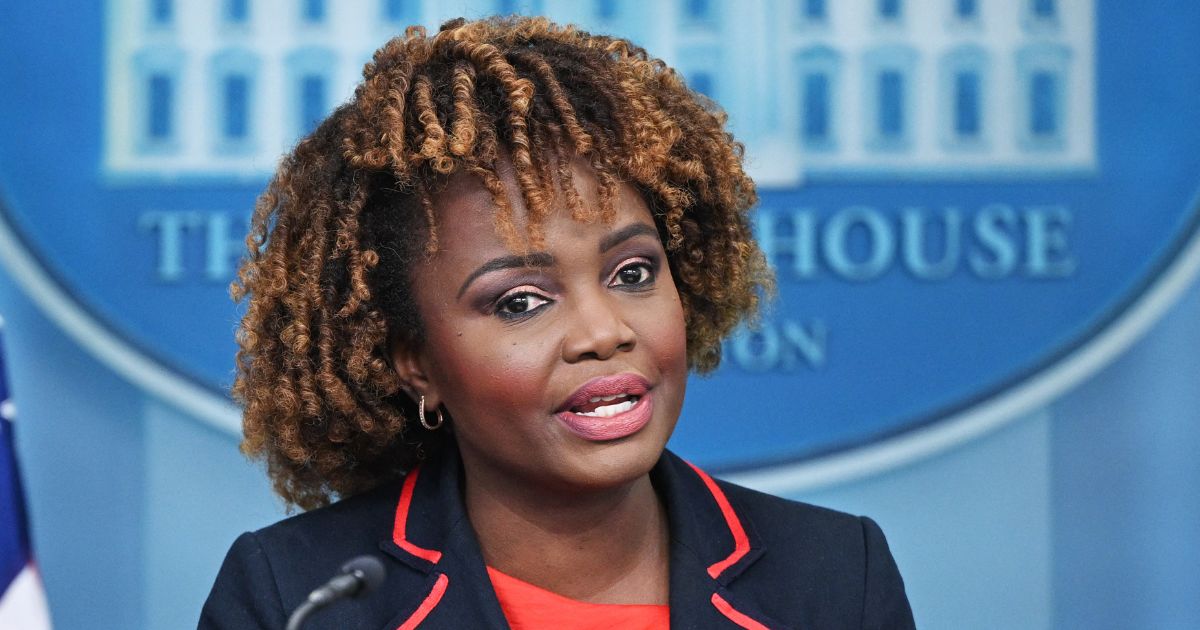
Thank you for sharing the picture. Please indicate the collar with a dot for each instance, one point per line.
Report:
(703, 521)
(712, 543)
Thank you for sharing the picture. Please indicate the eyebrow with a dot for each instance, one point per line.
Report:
(629, 231)
(545, 259)
(534, 259)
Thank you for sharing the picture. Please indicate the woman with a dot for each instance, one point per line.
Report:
(475, 293)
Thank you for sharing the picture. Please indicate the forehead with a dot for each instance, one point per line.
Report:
(469, 224)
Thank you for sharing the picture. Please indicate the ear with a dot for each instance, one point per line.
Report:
(413, 370)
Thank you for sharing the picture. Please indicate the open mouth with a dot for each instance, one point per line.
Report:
(606, 406)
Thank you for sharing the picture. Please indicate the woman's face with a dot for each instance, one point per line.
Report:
(562, 368)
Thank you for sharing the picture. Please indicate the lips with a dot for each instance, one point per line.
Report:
(608, 408)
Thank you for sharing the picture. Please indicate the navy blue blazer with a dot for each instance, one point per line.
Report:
(738, 559)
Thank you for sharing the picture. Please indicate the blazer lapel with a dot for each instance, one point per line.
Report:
(711, 545)
(445, 583)
(433, 539)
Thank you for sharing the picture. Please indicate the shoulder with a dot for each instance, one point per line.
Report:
(368, 515)
(856, 543)
(271, 570)
(822, 555)
(779, 520)
(769, 519)
(317, 542)
(802, 529)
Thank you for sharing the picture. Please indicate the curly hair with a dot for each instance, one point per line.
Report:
(337, 230)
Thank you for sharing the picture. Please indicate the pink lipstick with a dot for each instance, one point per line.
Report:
(608, 408)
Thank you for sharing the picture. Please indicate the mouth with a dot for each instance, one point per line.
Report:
(608, 408)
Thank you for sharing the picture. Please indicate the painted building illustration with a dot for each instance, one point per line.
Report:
(815, 88)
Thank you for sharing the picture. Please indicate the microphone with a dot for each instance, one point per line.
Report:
(358, 577)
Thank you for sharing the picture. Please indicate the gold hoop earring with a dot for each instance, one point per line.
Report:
(424, 422)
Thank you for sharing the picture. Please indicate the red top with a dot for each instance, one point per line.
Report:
(528, 607)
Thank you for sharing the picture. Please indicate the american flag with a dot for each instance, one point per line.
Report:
(22, 599)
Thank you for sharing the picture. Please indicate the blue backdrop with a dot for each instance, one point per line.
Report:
(983, 217)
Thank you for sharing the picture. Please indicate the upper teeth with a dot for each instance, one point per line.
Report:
(609, 410)
(597, 399)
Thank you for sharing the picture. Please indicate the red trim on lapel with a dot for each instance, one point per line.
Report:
(734, 615)
(741, 543)
(427, 606)
(398, 535)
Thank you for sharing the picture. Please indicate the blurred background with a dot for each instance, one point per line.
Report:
(982, 214)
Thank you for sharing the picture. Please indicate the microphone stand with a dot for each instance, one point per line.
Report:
(357, 577)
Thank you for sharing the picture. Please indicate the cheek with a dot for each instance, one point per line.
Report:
(667, 335)
(481, 372)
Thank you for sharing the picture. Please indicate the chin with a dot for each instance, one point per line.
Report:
(607, 465)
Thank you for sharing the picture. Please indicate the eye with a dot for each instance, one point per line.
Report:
(516, 305)
(633, 274)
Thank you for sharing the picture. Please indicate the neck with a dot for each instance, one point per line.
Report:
(603, 546)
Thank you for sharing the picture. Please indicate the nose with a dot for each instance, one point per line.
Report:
(597, 329)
